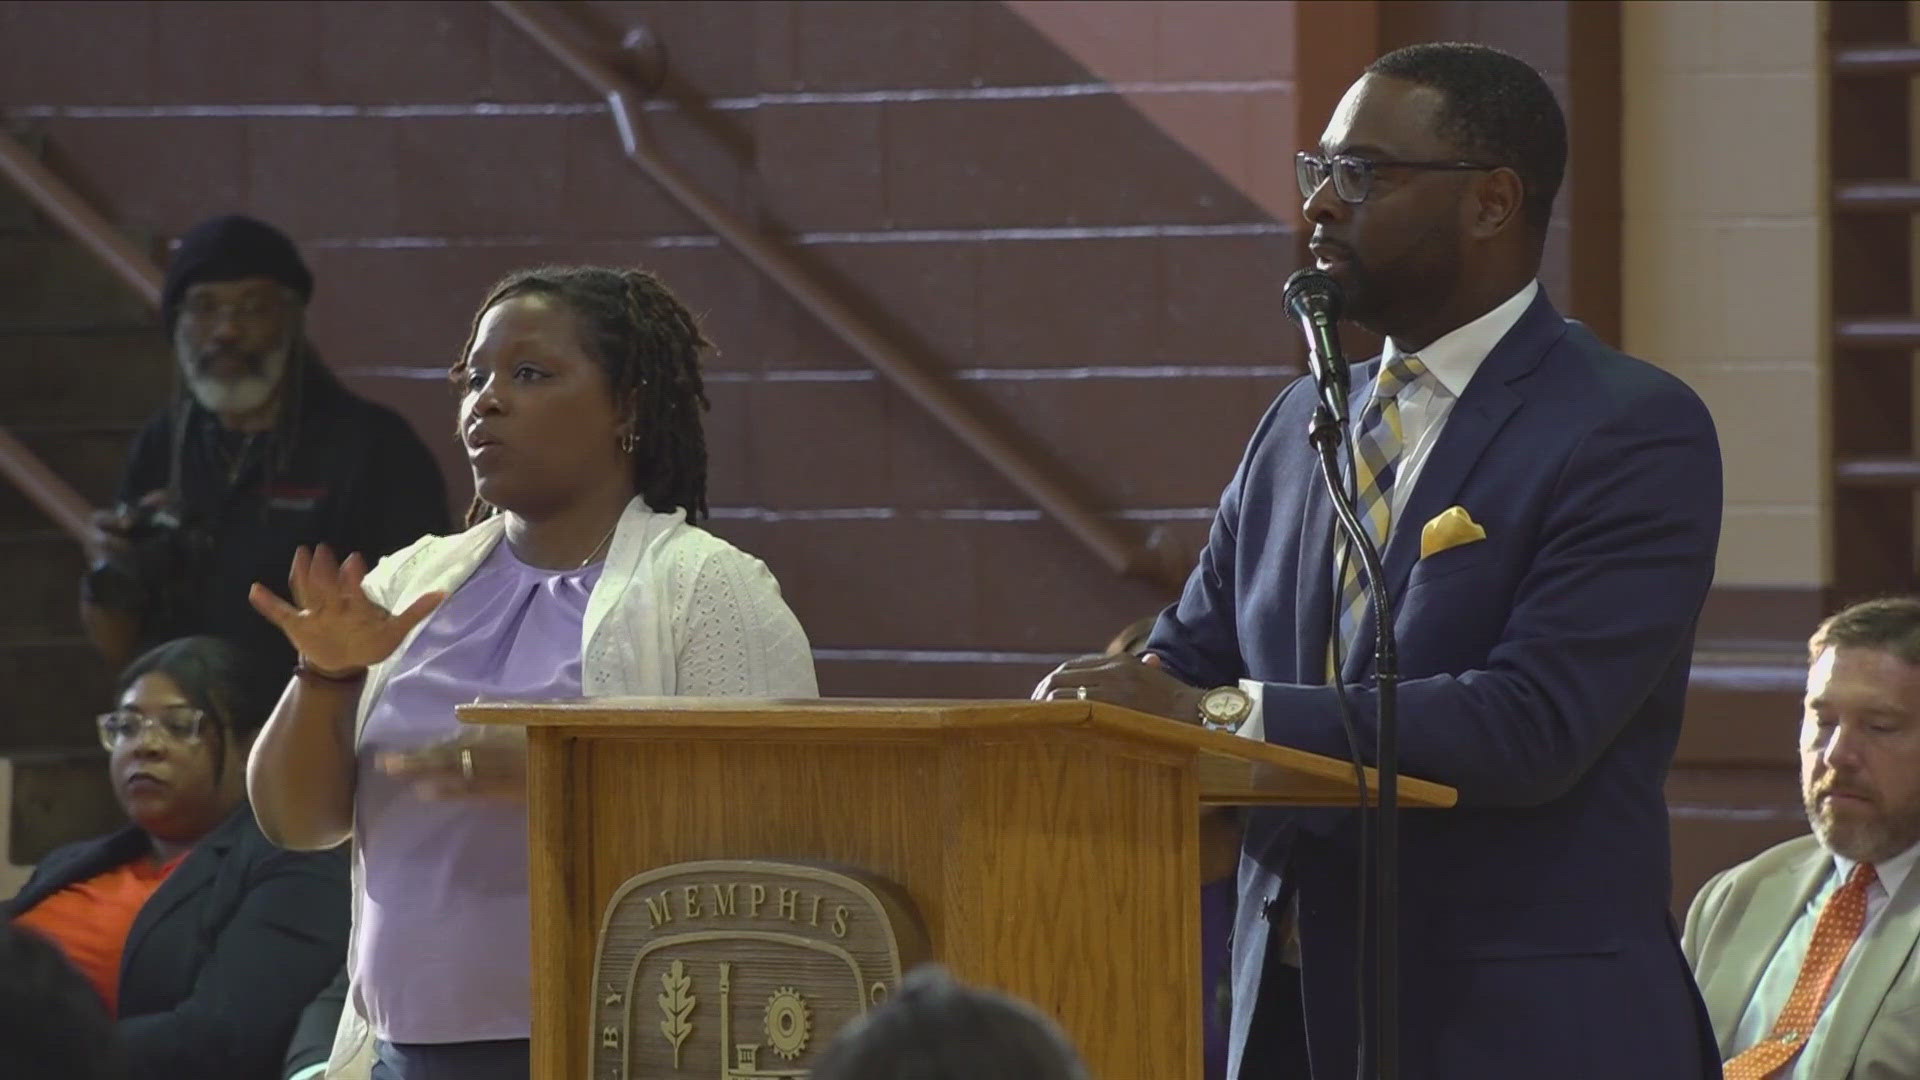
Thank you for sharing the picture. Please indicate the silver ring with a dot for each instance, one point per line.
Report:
(1080, 692)
(466, 763)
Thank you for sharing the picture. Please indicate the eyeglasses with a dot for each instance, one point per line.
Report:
(249, 309)
(1353, 176)
(178, 723)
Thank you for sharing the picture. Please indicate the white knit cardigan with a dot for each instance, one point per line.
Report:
(677, 611)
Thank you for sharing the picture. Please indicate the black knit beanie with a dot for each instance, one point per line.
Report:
(228, 248)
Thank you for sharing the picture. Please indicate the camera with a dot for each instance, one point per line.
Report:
(148, 577)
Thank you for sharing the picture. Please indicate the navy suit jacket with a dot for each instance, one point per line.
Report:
(1543, 672)
(223, 956)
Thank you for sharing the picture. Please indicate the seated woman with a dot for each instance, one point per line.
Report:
(203, 939)
(582, 573)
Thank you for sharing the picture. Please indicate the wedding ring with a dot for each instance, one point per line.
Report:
(466, 763)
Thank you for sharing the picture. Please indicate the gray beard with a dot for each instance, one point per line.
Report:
(242, 394)
(1879, 836)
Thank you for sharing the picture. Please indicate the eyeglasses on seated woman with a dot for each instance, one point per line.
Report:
(202, 939)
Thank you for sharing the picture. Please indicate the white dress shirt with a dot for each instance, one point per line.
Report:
(1776, 983)
(1451, 362)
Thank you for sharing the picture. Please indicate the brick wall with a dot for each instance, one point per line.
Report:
(1083, 221)
(954, 172)
(1725, 232)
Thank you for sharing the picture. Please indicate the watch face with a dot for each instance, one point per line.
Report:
(1225, 703)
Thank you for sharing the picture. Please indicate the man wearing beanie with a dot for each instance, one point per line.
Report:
(261, 450)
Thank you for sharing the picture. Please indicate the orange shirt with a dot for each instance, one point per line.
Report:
(90, 920)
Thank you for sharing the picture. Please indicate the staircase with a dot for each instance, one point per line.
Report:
(85, 365)
(1873, 419)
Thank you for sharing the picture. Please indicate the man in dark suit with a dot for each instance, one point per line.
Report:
(1549, 511)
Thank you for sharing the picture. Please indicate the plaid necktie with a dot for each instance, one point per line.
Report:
(1842, 918)
(1376, 461)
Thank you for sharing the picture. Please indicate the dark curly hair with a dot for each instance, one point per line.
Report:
(649, 345)
(1498, 111)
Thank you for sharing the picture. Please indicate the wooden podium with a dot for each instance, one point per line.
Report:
(1051, 850)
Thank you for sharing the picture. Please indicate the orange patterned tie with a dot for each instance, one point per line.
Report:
(1841, 920)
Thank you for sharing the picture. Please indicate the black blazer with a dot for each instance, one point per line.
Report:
(226, 953)
(312, 1042)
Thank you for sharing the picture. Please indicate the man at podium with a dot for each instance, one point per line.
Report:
(1548, 511)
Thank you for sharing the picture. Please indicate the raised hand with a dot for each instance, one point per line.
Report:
(333, 624)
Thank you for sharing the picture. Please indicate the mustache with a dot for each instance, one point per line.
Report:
(1329, 242)
(253, 358)
(256, 357)
(1842, 787)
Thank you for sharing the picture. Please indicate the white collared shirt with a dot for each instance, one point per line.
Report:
(1776, 982)
(1452, 360)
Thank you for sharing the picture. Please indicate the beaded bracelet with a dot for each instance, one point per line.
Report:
(308, 673)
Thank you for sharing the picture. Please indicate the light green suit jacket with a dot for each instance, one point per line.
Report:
(1737, 923)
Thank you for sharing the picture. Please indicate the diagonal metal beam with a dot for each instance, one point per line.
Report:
(1045, 484)
(54, 198)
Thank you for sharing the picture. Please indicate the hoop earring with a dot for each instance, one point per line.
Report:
(626, 443)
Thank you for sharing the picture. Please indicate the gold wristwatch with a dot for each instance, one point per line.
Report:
(1225, 708)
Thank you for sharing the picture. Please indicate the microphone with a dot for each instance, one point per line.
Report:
(1313, 298)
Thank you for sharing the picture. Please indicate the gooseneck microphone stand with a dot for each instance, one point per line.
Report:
(1313, 298)
(1326, 434)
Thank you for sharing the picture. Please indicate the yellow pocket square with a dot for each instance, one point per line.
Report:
(1449, 529)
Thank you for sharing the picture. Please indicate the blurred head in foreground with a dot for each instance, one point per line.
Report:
(937, 1029)
(52, 1024)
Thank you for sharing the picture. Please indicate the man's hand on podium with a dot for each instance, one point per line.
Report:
(1143, 685)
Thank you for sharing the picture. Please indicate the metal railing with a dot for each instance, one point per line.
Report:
(52, 197)
(56, 200)
(929, 388)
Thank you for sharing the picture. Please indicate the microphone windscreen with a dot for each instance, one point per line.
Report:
(1312, 289)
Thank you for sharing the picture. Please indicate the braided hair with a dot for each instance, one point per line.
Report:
(649, 345)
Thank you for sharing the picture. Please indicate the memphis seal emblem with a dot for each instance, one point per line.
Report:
(741, 970)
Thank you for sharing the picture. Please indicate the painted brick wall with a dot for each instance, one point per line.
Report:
(953, 172)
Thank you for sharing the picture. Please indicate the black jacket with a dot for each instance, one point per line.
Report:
(342, 471)
(226, 953)
(312, 1042)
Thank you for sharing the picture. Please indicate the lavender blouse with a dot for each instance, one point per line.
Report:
(442, 950)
